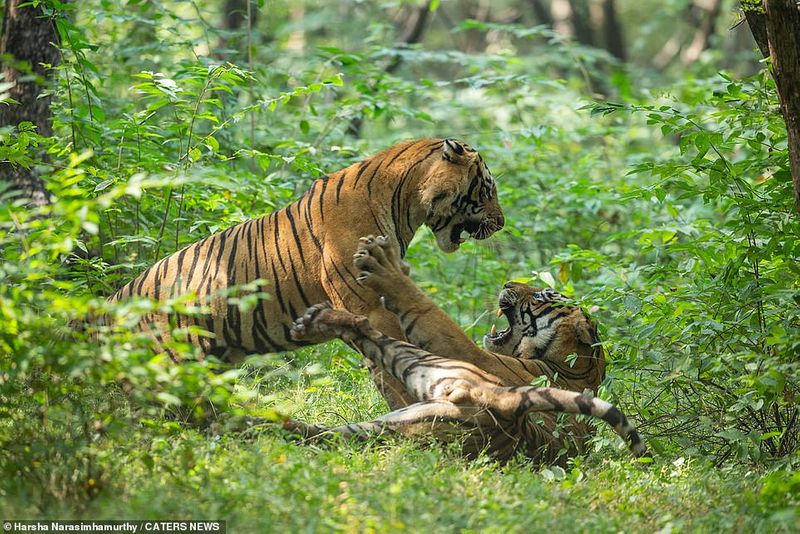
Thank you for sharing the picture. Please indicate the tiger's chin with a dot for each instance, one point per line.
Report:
(448, 246)
(448, 240)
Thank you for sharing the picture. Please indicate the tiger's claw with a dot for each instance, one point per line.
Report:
(321, 322)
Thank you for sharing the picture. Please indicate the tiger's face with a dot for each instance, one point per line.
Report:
(460, 197)
(541, 325)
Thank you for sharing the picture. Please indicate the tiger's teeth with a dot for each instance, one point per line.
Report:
(499, 312)
(494, 330)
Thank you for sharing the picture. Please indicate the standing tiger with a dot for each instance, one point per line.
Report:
(545, 338)
(456, 399)
(303, 251)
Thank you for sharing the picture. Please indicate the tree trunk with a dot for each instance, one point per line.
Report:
(581, 22)
(234, 20)
(781, 23)
(757, 21)
(541, 13)
(28, 37)
(612, 31)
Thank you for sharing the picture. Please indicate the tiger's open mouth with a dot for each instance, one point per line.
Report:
(506, 303)
(473, 228)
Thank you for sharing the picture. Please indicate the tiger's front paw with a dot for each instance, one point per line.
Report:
(379, 264)
(322, 323)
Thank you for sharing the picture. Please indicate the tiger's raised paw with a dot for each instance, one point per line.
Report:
(378, 263)
(321, 322)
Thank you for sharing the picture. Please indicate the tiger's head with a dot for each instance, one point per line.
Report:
(544, 327)
(459, 196)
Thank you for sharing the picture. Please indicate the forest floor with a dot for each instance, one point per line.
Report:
(265, 482)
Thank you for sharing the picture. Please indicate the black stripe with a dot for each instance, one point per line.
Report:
(563, 313)
(387, 163)
(226, 333)
(277, 249)
(157, 279)
(331, 285)
(278, 294)
(584, 404)
(341, 183)
(309, 216)
(179, 269)
(142, 278)
(546, 395)
(197, 247)
(613, 417)
(398, 360)
(347, 283)
(396, 201)
(260, 331)
(250, 252)
(410, 327)
(407, 371)
(378, 225)
(294, 231)
(293, 271)
(503, 363)
(361, 168)
(325, 181)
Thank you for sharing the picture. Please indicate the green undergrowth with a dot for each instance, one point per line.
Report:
(269, 484)
(263, 481)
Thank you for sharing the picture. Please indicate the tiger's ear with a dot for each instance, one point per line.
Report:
(455, 151)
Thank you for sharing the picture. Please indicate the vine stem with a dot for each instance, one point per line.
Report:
(82, 75)
(250, 68)
(185, 156)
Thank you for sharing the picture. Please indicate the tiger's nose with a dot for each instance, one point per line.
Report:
(501, 221)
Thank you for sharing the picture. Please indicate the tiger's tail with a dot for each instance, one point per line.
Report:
(559, 400)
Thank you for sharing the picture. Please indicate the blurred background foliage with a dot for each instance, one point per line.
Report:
(641, 161)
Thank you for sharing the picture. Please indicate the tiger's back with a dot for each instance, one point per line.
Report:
(210, 268)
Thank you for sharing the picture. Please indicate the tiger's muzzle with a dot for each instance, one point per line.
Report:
(484, 228)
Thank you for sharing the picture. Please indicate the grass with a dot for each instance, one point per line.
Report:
(268, 483)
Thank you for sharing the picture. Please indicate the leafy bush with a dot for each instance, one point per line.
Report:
(713, 318)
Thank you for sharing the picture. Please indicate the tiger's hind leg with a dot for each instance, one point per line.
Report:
(421, 375)
(322, 323)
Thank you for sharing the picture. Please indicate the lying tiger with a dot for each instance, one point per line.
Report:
(454, 400)
(454, 397)
(303, 251)
(537, 343)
